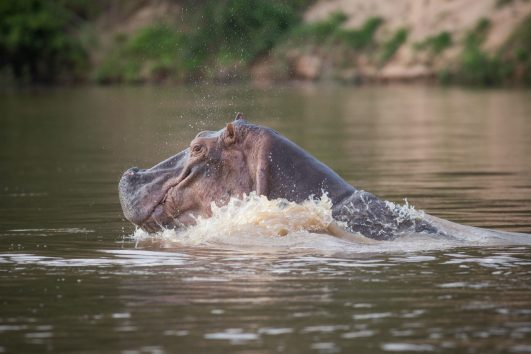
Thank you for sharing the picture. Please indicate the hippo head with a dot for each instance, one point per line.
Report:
(236, 160)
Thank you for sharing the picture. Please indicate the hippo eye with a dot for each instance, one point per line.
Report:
(197, 148)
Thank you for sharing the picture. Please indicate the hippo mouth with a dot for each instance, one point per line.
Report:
(144, 194)
(160, 216)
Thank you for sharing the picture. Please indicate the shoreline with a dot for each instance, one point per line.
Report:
(428, 84)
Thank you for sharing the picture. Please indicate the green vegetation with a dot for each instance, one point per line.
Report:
(49, 41)
(510, 64)
(436, 44)
(221, 34)
(502, 3)
(476, 67)
(364, 36)
(517, 51)
(319, 30)
(331, 29)
(247, 28)
(153, 52)
(36, 44)
(393, 44)
(477, 35)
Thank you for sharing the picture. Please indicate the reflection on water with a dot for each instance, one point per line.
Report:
(206, 299)
(72, 279)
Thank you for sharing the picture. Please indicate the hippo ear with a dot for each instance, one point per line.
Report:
(230, 134)
(239, 116)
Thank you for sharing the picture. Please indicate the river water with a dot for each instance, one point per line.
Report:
(75, 278)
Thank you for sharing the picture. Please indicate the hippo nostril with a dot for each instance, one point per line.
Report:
(132, 171)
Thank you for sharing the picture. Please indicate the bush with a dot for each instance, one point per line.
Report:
(245, 28)
(517, 51)
(502, 3)
(476, 67)
(35, 44)
(437, 43)
(476, 36)
(320, 30)
(331, 30)
(222, 32)
(362, 37)
(393, 44)
(154, 52)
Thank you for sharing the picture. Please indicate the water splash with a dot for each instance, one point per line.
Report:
(252, 217)
(255, 222)
(404, 211)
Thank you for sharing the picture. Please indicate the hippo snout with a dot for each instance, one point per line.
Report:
(128, 189)
(143, 190)
(131, 171)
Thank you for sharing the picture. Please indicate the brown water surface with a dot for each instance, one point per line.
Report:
(72, 280)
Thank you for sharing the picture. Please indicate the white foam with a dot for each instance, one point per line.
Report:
(407, 347)
(257, 223)
(254, 219)
(405, 211)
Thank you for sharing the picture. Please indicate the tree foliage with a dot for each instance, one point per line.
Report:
(35, 44)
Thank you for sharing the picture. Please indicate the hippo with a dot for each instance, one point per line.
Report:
(243, 158)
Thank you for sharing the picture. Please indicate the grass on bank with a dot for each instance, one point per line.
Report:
(436, 44)
(332, 29)
(477, 67)
(510, 64)
(152, 53)
(220, 34)
(362, 39)
(391, 46)
(517, 51)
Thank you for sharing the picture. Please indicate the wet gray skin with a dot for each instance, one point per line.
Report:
(242, 158)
